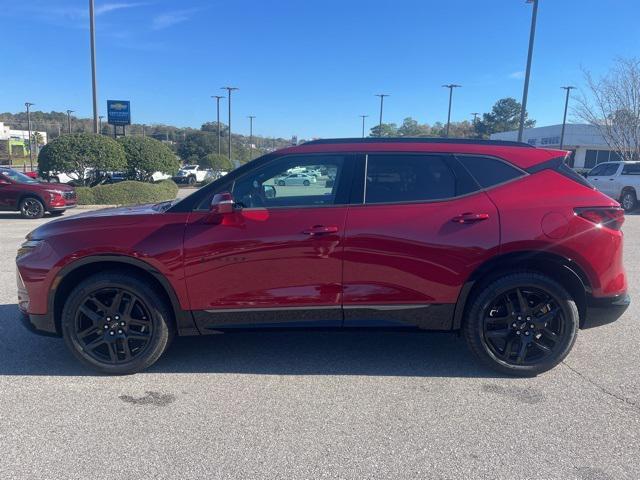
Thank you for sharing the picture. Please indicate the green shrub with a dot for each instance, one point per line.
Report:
(146, 156)
(127, 193)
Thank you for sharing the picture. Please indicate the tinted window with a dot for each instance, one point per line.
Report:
(610, 169)
(489, 171)
(412, 178)
(276, 184)
(590, 158)
(596, 171)
(631, 169)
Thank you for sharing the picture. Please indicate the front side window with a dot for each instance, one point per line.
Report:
(294, 181)
(610, 169)
(412, 178)
(596, 171)
(16, 176)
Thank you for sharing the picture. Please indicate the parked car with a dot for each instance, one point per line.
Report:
(618, 180)
(192, 174)
(159, 176)
(498, 240)
(296, 179)
(20, 193)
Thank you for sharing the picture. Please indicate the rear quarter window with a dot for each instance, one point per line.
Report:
(631, 169)
(489, 171)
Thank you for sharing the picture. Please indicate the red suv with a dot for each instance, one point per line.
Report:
(500, 241)
(21, 193)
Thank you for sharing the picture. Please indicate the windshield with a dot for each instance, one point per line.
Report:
(16, 176)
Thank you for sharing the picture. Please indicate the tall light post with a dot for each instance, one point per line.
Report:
(229, 90)
(218, 97)
(381, 95)
(251, 117)
(450, 86)
(363, 117)
(568, 88)
(525, 92)
(29, 105)
(69, 112)
(94, 87)
(475, 116)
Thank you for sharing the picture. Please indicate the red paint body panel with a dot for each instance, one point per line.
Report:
(416, 253)
(262, 258)
(52, 195)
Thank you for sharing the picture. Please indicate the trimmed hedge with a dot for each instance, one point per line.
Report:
(127, 193)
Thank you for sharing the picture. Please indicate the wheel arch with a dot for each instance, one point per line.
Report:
(31, 195)
(73, 273)
(561, 269)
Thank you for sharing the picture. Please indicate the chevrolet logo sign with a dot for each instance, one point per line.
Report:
(118, 106)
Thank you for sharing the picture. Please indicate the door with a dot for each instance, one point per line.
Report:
(601, 177)
(276, 262)
(422, 228)
(10, 192)
(610, 180)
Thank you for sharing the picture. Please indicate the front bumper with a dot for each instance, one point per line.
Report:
(601, 311)
(62, 209)
(40, 324)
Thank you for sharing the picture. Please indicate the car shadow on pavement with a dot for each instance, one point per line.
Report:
(375, 353)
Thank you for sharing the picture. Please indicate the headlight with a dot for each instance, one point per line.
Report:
(28, 246)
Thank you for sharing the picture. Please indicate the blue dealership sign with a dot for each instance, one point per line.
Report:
(119, 112)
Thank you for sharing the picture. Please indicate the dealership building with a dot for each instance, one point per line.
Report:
(585, 141)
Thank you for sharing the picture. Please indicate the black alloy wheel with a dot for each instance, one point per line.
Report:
(116, 324)
(522, 324)
(31, 207)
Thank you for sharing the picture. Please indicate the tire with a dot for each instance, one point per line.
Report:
(31, 207)
(281, 183)
(191, 181)
(57, 213)
(306, 183)
(499, 319)
(628, 200)
(96, 326)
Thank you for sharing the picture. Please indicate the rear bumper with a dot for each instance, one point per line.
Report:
(601, 311)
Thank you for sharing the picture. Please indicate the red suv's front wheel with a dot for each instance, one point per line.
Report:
(521, 324)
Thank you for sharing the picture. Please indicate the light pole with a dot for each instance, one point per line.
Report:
(218, 97)
(69, 112)
(363, 117)
(144, 132)
(381, 95)
(475, 116)
(29, 105)
(229, 90)
(100, 117)
(94, 87)
(450, 86)
(568, 88)
(251, 117)
(525, 92)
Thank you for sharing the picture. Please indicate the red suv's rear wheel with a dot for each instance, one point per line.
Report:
(522, 324)
(116, 324)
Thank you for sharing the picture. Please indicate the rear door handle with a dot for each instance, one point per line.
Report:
(470, 217)
(320, 230)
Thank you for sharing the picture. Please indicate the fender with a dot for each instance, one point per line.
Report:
(184, 319)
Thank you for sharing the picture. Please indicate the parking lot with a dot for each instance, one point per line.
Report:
(312, 405)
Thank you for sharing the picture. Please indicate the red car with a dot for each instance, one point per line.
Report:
(500, 241)
(21, 193)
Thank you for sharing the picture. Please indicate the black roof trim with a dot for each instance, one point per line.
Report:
(465, 141)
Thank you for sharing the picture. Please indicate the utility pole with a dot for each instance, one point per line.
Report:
(525, 92)
(94, 85)
(218, 97)
(381, 95)
(29, 105)
(475, 116)
(363, 117)
(69, 112)
(564, 118)
(229, 90)
(450, 86)
(251, 117)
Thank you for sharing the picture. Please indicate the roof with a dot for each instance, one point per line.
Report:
(463, 141)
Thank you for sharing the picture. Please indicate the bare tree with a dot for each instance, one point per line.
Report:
(612, 105)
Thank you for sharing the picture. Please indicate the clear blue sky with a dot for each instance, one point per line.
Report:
(306, 67)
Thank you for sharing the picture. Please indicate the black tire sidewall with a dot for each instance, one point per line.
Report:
(634, 201)
(473, 325)
(162, 321)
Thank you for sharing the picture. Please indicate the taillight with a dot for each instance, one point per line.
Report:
(609, 217)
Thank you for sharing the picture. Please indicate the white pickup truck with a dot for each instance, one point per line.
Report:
(192, 174)
(619, 180)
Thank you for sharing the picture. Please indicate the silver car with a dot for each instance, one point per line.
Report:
(296, 179)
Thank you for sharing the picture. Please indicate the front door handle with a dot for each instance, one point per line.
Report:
(470, 217)
(320, 230)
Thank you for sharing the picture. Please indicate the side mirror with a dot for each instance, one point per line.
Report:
(269, 191)
(222, 204)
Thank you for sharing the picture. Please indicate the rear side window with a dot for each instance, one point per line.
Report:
(489, 171)
(413, 178)
(631, 169)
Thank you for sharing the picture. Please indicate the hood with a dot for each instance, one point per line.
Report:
(102, 218)
(42, 186)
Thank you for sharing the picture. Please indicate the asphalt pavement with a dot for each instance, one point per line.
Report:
(318, 405)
